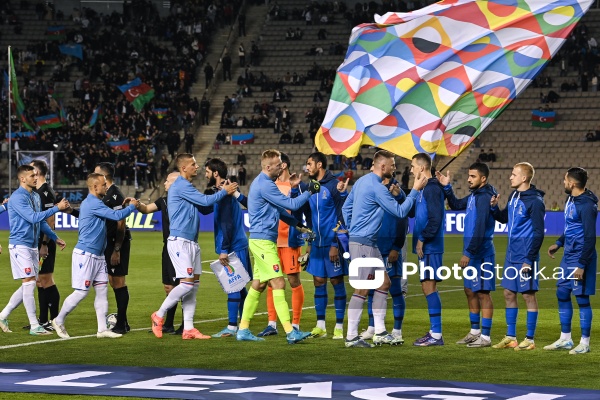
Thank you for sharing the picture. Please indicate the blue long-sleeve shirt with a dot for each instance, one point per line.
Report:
(182, 200)
(365, 206)
(26, 218)
(579, 237)
(429, 218)
(266, 205)
(93, 214)
(392, 234)
(524, 214)
(229, 225)
(478, 235)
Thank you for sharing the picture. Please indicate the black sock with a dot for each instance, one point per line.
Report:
(170, 317)
(43, 318)
(122, 297)
(53, 300)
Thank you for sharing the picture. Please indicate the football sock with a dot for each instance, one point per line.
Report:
(69, 305)
(398, 303)
(434, 305)
(250, 306)
(270, 305)
(43, 305)
(101, 304)
(176, 294)
(379, 310)
(370, 308)
(233, 304)
(475, 327)
(565, 309)
(321, 302)
(53, 301)
(188, 304)
(122, 298)
(585, 315)
(486, 326)
(297, 303)
(531, 324)
(355, 308)
(29, 303)
(15, 301)
(339, 301)
(170, 316)
(511, 321)
(283, 311)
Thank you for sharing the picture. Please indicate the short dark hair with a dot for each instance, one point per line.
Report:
(181, 158)
(286, 159)
(579, 175)
(217, 165)
(423, 158)
(108, 170)
(382, 154)
(319, 157)
(41, 166)
(24, 169)
(482, 168)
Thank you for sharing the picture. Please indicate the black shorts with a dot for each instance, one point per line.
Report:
(48, 264)
(168, 271)
(123, 268)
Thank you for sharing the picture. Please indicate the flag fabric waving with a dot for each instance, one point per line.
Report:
(57, 32)
(160, 112)
(75, 50)
(543, 119)
(48, 121)
(96, 116)
(431, 80)
(137, 92)
(122, 145)
(16, 103)
(244, 138)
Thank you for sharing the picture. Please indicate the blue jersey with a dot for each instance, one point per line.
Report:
(229, 225)
(324, 210)
(429, 218)
(392, 234)
(366, 205)
(524, 214)
(579, 237)
(478, 235)
(183, 199)
(93, 214)
(266, 205)
(26, 218)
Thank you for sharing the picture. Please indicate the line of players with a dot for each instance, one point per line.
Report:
(375, 213)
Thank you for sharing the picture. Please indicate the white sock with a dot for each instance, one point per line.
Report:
(339, 326)
(397, 332)
(379, 310)
(355, 309)
(101, 304)
(371, 329)
(273, 324)
(69, 305)
(321, 324)
(585, 340)
(15, 300)
(485, 337)
(565, 336)
(296, 326)
(174, 296)
(475, 331)
(188, 304)
(232, 328)
(436, 335)
(29, 303)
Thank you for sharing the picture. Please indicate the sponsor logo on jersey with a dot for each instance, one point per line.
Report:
(114, 196)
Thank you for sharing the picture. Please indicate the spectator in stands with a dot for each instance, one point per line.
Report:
(555, 207)
(405, 177)
(298, 137)
(208, 73)
(204, 110)
(164, 166)
(242, 24)
(173, 141)
(242, 175)
(285, 138)
(226, 61)
(491, 156)
(241, 158)
(590, 136)
(553, 97)
(242, 55)
(317, 97)
(367, 163)
(595, 83)
(221, 137)
(322, 34)
(189, 142)
(543, 98)
(483, 157)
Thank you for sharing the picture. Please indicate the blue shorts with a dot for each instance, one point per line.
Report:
(587, 286)
(320, 265)
(435, 262)
(485, 278)
(395, 269)
(244, 256)
(514, 281)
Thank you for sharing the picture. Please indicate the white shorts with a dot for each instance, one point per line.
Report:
(87, 268)
(185, 256)
(24, 261)
(357, 251)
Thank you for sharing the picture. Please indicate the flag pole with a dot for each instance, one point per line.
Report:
(9, 123)
(448, 163)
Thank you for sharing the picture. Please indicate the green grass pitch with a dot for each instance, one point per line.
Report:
(451, 362)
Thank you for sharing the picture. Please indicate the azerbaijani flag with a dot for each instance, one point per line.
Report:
(137, 92)
(57, 32)
(433, 79)
(543, 119)
(244, 138)
(122, 145)
(16, 103)
(16, 135)
(48, 121)
(96, 116)
(160, 112)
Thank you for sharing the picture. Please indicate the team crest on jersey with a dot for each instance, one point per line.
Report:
(87, 284)
(571, 212)
(189, 271)
(324, 194)
(28, 271)
(520, 211)
(276, 267)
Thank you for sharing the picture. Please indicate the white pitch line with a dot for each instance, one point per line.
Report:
(13, 346)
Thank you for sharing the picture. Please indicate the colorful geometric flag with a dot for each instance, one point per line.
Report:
(96, 116)
(137, 93)
(16, 103)
(432, 80)
(75, 50)
(543, 119)
(160, 112)
(244, 138)
(56, 32)
(122, 145)
(48, 121)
